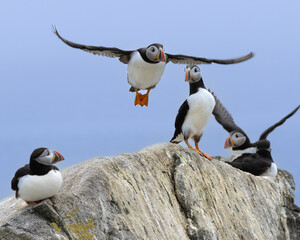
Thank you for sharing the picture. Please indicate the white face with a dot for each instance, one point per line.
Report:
(153, 53)
(237, 139)
(193, 73)
(46, 157)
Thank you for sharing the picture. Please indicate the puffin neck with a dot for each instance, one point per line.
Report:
(194, 87)
(264, 153)
(38, 168)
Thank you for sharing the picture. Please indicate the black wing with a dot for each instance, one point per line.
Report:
(252, 163)
(54, 167)
(224, 118)
(184, 59)
(180, 118)
(20, 173)
(124, 56)
(265, 134)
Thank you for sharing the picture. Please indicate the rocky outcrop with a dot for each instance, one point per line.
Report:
(162, 192)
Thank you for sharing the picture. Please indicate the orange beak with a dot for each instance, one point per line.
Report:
(163, 57)
(228, 143)
(187, 75)
(57, 157)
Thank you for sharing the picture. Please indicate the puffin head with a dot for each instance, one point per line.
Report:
(192, 73)
(235, 139)
(155, 53)
(46, 156)
(263, 145)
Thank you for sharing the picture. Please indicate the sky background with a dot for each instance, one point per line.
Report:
(78, 104)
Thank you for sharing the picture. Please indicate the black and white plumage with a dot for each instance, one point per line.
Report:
(259, 163)
(195, 112)
(39, 179)
(238, 140)
(146, 65)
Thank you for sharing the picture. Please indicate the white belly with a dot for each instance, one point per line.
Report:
(143, 75)
(271, 172)
(34, 187)
(201, 105)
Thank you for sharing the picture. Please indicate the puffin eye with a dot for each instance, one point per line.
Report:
(152, 49)
(237, 136)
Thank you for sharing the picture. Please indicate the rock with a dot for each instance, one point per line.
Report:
(162, 192)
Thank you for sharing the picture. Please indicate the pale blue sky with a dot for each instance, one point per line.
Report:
(78, 104)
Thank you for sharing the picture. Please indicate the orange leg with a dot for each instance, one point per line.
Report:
(189, 145)
(33, 202)
(138, 98)
(144, 100)
(203, 154)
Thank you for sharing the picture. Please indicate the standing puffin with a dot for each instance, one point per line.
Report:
(39, 179)
(238, 139)
(195, 112)
(259, 163)
(146, 65)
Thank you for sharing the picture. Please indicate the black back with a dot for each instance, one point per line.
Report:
(252, 163)
(255, 163)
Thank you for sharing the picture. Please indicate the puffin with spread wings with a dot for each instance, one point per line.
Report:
(146, 65)
(238, 139)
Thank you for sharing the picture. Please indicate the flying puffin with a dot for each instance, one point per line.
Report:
(238, 139)
(259, 163)
(195, 112)
(146, 65)
(39, 179)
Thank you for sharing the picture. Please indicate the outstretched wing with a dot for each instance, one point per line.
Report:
(124, 56)
(223, 117)
(180, 118)
(20, 173)
(265, 134)
(184, 59)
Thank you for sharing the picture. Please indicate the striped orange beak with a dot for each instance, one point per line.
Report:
(57, 157)
(187, 74)
(163, 57)
(228, 143)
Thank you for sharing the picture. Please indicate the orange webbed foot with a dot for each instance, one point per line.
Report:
(138, 99)
(206, 155)
(144, 100)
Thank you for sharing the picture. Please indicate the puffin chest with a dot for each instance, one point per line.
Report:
(38, 187)
(201, 105)
(143, 75)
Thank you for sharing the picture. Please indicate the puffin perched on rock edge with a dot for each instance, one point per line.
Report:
(146, 65)
(259, 163)
(39, 179)
(195, 112)
(238, 139)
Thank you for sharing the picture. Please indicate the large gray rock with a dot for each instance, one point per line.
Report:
(162, 192)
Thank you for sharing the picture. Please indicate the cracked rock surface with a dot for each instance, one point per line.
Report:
(164, 191)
